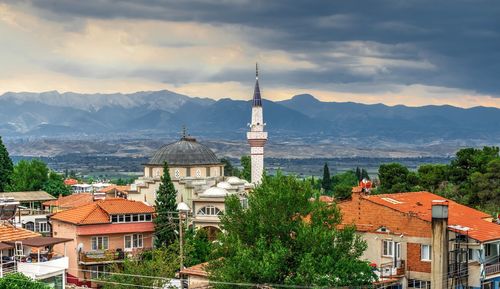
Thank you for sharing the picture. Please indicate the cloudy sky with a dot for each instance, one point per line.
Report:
(395, 51)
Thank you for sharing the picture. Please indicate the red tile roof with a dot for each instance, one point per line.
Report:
(10, 233)
(115, 187)
(71, 201)
(196, 270)
(99, 212)
(419, 204)
(70, 182)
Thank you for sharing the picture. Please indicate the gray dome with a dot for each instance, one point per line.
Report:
(184, 153)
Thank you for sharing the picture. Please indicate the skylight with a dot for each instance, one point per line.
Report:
(392, 201)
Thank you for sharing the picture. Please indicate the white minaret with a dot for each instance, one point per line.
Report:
(257, 137)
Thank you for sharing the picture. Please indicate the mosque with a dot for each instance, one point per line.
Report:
(198, 175)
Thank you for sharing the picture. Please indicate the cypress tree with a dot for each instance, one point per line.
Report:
(6, 167)
(358, 174)
(326, 184)
(166, 221)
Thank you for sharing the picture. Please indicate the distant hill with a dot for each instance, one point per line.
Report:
(164, 112)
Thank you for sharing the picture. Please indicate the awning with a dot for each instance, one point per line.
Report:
(4, 246)
(40, 241)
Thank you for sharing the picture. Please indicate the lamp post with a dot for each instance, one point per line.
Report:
(183, 208)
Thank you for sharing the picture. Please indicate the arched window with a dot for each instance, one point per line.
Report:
(209, 211)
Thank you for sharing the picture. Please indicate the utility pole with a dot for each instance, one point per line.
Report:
(183, 209)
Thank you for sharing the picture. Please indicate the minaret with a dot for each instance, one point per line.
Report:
(257, 137)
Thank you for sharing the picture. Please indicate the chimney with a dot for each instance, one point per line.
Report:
(439, 262)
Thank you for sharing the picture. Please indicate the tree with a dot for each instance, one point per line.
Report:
(162, 263)
(29, 176)
(486, 187)
(229, 169)
(55, 185)
(284, 238)
(326, 183)
(6, 167)
(198, 247)
(396, 178)
(166, 211)
(343, 183)
(431, 176)
(246, 172)
(20, 281)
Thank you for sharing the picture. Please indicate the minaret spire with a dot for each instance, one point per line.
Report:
(257, 137)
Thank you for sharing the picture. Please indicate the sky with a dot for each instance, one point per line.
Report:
(388, 51)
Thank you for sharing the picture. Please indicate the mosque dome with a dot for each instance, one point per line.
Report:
(214, 192)
(224, 185)
(235, 181)
(187, 151)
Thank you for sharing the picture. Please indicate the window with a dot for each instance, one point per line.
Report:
(135, 218)
(198, 173)
(177, 173)
(209, 211)
(44, 227)
(134, 241)
(412, 283)
(128, 218)
(114, 218)
(244, 203)
(487, 285)
(99, 243)
(148, 217)
(142, 218)
(29, 226)
(398, 251)
(425, 252)
(98, 271)
(487, 250)
(388, 248)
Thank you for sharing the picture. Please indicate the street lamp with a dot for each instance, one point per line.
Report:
(183, 209)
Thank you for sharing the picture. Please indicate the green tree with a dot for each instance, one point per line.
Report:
(198, 247)
(364, 174)
(246, 172)
(396, 178)
(166, 211)
(326, 183)
(486, 187)
(229, 169)
(470, 160)
(55, 185)
(20, 281)
(284, 238)
(6, 167)
(162, 263)
(431, 176)
(29, 176)
(343, 183)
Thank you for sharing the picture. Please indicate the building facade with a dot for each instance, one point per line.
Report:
(103, 233)
(398, 231)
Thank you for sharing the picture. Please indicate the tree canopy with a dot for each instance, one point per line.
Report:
(20, 281)
(284, 238)
(6, 167)
(472, 178)
(55, 185)
(166, 208)
(246, 172)
(326, 183)
(29, 175)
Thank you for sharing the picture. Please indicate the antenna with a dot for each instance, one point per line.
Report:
(184, 131)
(256, 71)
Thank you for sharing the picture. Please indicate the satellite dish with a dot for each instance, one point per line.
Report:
(79, 248)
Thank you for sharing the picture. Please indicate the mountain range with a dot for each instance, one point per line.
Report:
(53, 114)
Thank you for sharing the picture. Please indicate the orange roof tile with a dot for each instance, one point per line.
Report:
(99, 212)
(196, 270)
(420, 203)
(71, 201)
(10, 233)
(70, 182)
(114, 187)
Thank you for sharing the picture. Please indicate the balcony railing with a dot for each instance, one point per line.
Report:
(102, 256)
(38, 269)
(492, 269)
(392, 269)
(7, 267)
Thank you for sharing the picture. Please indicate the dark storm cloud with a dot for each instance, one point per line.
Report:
(459, 39)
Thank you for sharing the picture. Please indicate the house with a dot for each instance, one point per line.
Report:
(30, 213)
(102, 233)
(113, 191)
(398, 231)
(197, 276)
(28, 253)
(68, 202)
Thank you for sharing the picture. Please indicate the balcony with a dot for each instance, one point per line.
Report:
(40, 270)
(492, 269)
(391, 269)
(101, 257)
